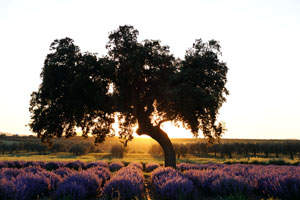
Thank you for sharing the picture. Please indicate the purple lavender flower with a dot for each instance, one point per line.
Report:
(170, 184)
(63, 172)
(7, 189)
(52, 165)
(97, 164)
(76, 165)
(10, 173)
(88, 185)
(127, 183)
(137, 165)
(31, 186)
(151, 166)
(115, 166)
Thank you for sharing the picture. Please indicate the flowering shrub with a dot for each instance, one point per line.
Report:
(202, 179)
(79, 185)
(30, 186)
(276, 181)
(115, 166)
(18, 164)
(231, 185)
(128, 183)
(137, 165)
(101, 172)
(72, 190)
(63, 172)
(151, 166)
(7, 189)
(53, 178)
(76, 165)
(52, 165)
(10, 173)
(97, 164)
(170, 184)
(34, 169)
(34, 163)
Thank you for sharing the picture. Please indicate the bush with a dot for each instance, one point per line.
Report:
(31, 186)
(101, 172)
(10, 173)
(75, 165)
(63, 172)
(170, 184)
(97, 164)
(151, 166)
(137, 165)
(52, 166)
(117, 150)
(80, 185)
(79, 149)
(7, 189)
(128, 183)
(115, 166)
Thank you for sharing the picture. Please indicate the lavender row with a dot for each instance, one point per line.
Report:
(127, 183)
(34, 182)
(171, 184)
(275, 181)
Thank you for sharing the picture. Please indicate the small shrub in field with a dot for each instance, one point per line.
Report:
(117, 150)
(72, 191)
(10, 173)
(101, 172)
(115, 166)
(33, 163)
(52, 166)
(170, 184)
(202, 178)
(151, 166)
(227, 185)
(75, 165)
(89, 182)
(30, 186)
(187, 166)
(63, 172)
(7, 189)
(6, 164)
(53, 178)
(18, 164)
(127, 183)
(97, 164)
(137, 165)
(34, 169)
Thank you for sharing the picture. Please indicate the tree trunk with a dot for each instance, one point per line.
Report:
(162, 138)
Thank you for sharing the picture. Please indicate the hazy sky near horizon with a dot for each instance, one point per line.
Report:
(259, 39)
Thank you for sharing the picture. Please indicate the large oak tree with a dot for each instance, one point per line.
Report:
(140, 83)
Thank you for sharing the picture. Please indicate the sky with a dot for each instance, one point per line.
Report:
(259, 39)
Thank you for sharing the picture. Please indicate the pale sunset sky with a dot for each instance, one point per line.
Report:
(260, 41)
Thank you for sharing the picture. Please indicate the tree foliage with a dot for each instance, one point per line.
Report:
(140, 83)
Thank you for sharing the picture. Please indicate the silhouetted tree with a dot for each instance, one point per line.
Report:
(139, 82)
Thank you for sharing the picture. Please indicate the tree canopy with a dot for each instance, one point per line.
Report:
(141, 83)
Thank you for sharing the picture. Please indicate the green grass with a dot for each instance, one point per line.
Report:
(143, 158)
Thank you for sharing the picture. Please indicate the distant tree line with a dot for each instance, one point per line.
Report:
(77, 148)
(290, 148)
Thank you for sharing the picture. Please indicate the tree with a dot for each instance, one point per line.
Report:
(140, 83)
(79, 149)
(117, 150)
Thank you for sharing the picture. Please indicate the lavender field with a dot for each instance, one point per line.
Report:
(100, 180)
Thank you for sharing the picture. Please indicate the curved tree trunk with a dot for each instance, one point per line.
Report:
(162, 138)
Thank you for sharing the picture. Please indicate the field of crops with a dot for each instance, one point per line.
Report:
(100, 180)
